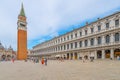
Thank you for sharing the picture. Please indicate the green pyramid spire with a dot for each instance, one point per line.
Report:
(22, 13)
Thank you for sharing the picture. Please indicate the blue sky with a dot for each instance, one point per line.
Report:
(49, 18)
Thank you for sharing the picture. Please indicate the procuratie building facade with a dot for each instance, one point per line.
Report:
(100, 39)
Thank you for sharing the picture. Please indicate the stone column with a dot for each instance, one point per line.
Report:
(112, 53)
(89, 54)
(88, 42)
(73, 35)
(65, 46)
(103, 40)
(73, 56)
(95, 43)
(95, 54)
(78, 45)
(66, 55)
(73, 45)
(78, 56)
(103, 54)
(69, 56)
(112, 38)
(83, 45)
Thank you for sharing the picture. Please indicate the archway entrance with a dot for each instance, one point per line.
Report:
(116, 53)
(71, 56)
(8, 57)
(67, 55)
(3, 57)
(64, 57)
(107, 53)
(99, 54)
(86, 56)
(75, 55)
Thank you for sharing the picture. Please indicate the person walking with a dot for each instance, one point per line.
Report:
(117, 57)
(42, 61)
(13, 60)
(45, 61)
(83, 59)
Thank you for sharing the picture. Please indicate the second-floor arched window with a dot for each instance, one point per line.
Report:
(71, 45)
(99, 40)
(117, 22)
(99, 27)
(92, 41)
(107, 39)
(117, 36)
(107, 25)
(80, 43)
(67, 46)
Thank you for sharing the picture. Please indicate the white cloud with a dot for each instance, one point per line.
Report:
(47, 17)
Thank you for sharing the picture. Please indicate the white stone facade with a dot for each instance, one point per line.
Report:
(99, 39)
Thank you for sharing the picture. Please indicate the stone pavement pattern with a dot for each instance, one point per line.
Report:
(56, 70)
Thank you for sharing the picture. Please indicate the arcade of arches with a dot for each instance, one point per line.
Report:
(97, 54)
(6, 54)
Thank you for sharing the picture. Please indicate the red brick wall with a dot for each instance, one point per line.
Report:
(22, 45)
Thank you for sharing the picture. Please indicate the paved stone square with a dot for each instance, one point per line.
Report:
(57, 70)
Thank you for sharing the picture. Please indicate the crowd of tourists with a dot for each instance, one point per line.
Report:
(37, 60)
(4, 60)
(44, 61)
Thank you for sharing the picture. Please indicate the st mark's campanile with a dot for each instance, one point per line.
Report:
(22, 35)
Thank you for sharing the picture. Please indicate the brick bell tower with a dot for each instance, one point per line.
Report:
(22, 36)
